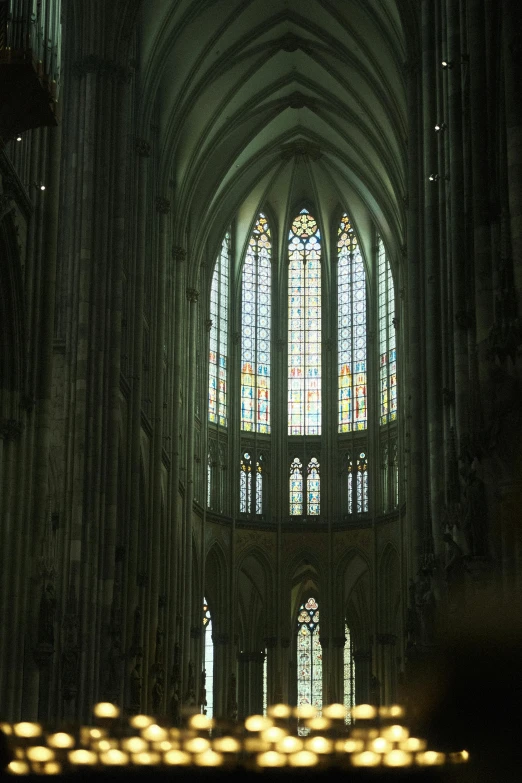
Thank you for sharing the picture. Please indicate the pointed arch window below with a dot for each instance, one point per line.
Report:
(208, 661)
(255, 330)
(304, 326)
(309, 658)
(351, 330)
(296, 488)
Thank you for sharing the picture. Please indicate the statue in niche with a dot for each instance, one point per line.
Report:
(190, 698)
(46, 615)
(231, 700)
(375, 690)
(135, 688)
(426, 604)
(474, 508)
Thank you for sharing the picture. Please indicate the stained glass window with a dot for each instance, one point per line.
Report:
(395, 477)
(387, 345)
(265, 682)
(296, 488)
(250, 485)
(313, 488)
(245, 484)
(385, 477)
(255, 331)
(349, 674)
(351, 483)
(217, 375)
(259, 485)
(208, 661)
(351, 330)
(362, 483)
(304, 326)
(309, 658)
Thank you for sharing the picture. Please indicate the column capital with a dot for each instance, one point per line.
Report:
(195, 632)
(324, 641)
(192, 295)
(162, 205)
(386, 638)
(178, 253)
(143, 148)
(339, 641)
(93, 63)
(362, 655)
(270, 642)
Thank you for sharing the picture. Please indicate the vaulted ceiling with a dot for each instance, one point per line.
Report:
(275, 104)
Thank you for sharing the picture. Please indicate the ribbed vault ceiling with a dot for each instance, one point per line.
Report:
(269, 104)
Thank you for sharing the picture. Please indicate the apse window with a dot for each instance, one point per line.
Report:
(208, 662)
(304, 326)
(309, 659)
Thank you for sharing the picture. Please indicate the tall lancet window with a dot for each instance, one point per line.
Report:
(296, 488)
(208, 661)
(217, 373)
(313, 487)
(304, 326)
(387, 345)
(250, 485)
(351, 330)
(349, 674)
(255, 331)
(309, 657)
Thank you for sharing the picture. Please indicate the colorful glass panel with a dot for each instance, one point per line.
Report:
(387, 345)
(245, 484)
(309, 658)
(349, 678)
(255, 331)
(313, 488)
(351, 484)
(351, 330)
(208, 661)
(304, 326)
(259, 486)
(217, 391)
(296, 488)
(362, 483)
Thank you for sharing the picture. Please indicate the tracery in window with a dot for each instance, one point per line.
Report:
(351, 483)
(304, 326)
(251, 485)
(217, 374)
(208, 661)
(395, 476)
(385, 478)
(349, 674)
(351, 330)
(255, 331)
(362, 483)
(296, 488)
(313, 487)
(309, 658)
(387, 345)
(245, 484)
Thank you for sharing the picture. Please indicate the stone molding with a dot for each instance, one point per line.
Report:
(178, 253)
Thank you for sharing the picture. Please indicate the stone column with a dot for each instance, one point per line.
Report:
(192, 298)
(512, 58)
(432, 281)
(362, 660)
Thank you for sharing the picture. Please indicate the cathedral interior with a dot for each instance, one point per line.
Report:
(260, 355)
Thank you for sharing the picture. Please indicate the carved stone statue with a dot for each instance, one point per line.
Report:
(46, 615)
(231, 700)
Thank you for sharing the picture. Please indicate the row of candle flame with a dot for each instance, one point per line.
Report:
(377, 739)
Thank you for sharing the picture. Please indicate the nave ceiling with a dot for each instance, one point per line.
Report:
(275, 104)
